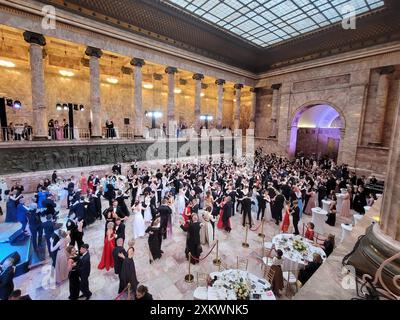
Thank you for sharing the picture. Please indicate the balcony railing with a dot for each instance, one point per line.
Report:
(17, 133)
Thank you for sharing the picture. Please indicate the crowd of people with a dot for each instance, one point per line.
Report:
(201, 197)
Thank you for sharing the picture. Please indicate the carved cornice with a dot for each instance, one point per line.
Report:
(34, 38)
(171, 70)
(220, 82)
(137, 62)
(198, 76)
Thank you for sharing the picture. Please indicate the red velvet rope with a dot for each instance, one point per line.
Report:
(120, 295)
(201, 259)
(257, 227)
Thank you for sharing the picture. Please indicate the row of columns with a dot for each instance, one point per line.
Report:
(37, 43)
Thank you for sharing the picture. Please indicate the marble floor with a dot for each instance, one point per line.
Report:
(164, 278)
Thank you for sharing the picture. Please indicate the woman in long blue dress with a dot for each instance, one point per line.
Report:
(11, 207)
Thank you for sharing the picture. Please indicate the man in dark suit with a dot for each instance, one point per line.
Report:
(48, 229)
(120, 229)
(7, 271)
(54, 177)
(117, 169)
(295, 212)
(116, 252)
(50, 205)
(227, 214)
(70, 189)
(153, 204)
(84, 271)
(246, 205)
(165, 212)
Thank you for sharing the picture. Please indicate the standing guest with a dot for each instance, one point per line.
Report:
(262, 204)
(295, 212)
(75, 229)
(311, 204)
(107, 260)
(332, 212)
(246, 207)
(84, 271)
(277, 207)
(61, 268)
(83, 185)
(73, 275)
(207, 233)
(11, 207)
(35, 226)
(117, 169)
(54, 177)
(193, 244)
(139, 226)
(128, 272)
(7, 271)
(22, 214)
(118, 250)
(65, 127)
(286, 218)
(48, 229)
(120, 198)
(70, 188)
(59, 131)
(155, 239)
(277, 282)
(142, 293)
(165, 213)
(119, 229)
(345, 211)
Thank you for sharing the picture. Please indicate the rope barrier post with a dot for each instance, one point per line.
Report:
(129, 291)
(217, 261)
(189, 277)
(261, 234)
(245, 244)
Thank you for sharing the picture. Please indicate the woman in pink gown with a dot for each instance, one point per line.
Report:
(83, 184)
(59, 131)
(345, 211)
(311, 202)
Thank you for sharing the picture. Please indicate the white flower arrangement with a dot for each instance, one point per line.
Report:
(242, 290)
(299, 246)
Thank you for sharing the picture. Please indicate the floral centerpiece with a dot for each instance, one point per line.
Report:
(242, 290)
(299, 245)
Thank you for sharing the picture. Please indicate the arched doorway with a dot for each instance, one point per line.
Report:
(316, 131)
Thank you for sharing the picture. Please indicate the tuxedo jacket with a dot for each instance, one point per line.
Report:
(84, 266)
(6, 283)
(120, 231)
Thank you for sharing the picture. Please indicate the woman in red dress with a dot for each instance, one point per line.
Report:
(83, 184)
(107, 260)
(220, 224)
(309, 234)
(186, 217)
(286, 219)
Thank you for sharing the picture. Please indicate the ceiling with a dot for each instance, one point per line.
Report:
(255, 35)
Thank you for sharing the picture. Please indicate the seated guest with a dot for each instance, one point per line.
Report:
(310, 268)
(17, 295)
(309, 234)
(7, 272)
(329, 245)
(277, 281)
(142, 293)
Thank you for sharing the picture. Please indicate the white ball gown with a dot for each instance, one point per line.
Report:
(139, 226)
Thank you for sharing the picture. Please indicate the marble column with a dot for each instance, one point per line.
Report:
(171, 99)
(197, 101)
(39, 121)
(381, 103)
(275, 109)
(220, 100)
(138, 98)
(95, 101)
(238, 95)
(253, 92)
(390, 212)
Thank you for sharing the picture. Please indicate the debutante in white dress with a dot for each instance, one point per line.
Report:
(147, 211)
(180, 202)
(139, 226)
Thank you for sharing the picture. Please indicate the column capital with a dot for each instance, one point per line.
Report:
(238, 86)
(198, 76)
(276, 86)
(34, 38)
(94, 52)
(253, 90)
(171, 70)
(137, 62)
(220, 82)
(387, 70)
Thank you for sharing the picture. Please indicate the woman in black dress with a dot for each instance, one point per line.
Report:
(73, 275)
(155, 239)
(332, 212)
(193, 245)
(128, 272)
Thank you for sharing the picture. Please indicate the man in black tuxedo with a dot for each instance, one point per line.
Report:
(48, 229)
(117, 169)
(70, 189)
(84, 271)
(120, 229)
(246, 205)
(295, 212)
(165, 212)
(227, 213)
(7, 271)
(50, 205)
(117, 259)
(153, 204)
(54, 177)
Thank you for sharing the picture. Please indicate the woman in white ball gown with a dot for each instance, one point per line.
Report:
(139, 227)
(146, 208)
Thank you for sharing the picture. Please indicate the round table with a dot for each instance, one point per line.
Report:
(285, 241)
(339, 202)
(346, 229)
(319, 218)
(222, 288)
(326, 204)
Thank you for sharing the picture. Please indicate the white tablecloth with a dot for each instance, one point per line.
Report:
(222, 289)
(319, 218)
(284, 242)
(326, 204)
(339, 197)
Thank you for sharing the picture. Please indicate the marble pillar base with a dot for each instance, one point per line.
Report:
(374, 248)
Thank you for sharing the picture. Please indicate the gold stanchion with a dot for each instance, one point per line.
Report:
(261, 234)
(189, 277)
(245, 244)
(129, 291)
(217, 261)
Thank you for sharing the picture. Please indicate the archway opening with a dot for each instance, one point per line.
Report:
(316, 132)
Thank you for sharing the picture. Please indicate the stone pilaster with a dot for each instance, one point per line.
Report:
(220, 100)
(253, 92)
(138, 98)
(171, 99)
(95, 101)
(238, 96)
(381, 103)
(275, 109)
(197, 100)
(39, 121)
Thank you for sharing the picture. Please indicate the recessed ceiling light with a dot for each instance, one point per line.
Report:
(112, 80)
(66, 73)
(7, 64)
